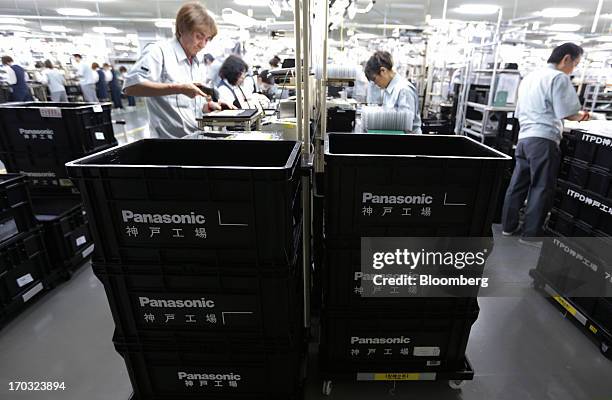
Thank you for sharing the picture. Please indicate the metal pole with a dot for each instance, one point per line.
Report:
(306, 181)
(298, 69)
(497, 44)
(319, 164)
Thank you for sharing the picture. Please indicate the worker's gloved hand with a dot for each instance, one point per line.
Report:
(584, 116)
(190, 90)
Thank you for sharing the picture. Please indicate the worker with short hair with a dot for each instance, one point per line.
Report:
(167, 71)
(545, 98)
(397, 92)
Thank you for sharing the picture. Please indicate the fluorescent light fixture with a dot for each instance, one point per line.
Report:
(12, 21)
(165, 23)
(606, 39)
(13, 28)
(253, 3)
(120, 39)
(106, 29)
(606, 16)
(568, 37)
(477, 9)
(122, 47)
(556, 12)
(564, 27)
(234, 17)
(97, 1)
(75, 12)
(55, 28)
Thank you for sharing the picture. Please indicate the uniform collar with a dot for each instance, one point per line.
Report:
(180, 52)
(394, 82)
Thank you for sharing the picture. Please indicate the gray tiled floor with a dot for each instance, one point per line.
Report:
(521, 347)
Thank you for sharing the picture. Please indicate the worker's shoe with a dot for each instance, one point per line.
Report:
(512, 233)
(533, 242)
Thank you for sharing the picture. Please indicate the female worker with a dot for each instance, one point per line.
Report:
(232, 74)
(167, 73)
(397, 92)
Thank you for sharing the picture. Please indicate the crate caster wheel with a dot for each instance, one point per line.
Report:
(327, 388)
(605, 349)
(456, 384)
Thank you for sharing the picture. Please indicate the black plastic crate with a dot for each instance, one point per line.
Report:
(562, 223)
(510, 131)
(183, 201)
(602, 313)
(340, 120)
(433, 185)
(47, 175)
(23, 264)
(587, 177)
(584, 205)
(221, 368)
(436, 127)
(393, 342)
(70, 129)
(342, 289)
(16, 214)
(592, 148)
(145, 301)
(66, 228)
(572, 267)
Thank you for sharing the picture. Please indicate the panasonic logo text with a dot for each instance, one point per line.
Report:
(395, 340)
(36, 131)
(191, 219)
(208, 377)
(368, 197)
(159, 303)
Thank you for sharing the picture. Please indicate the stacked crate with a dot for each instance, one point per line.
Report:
(582, 208)
(197, 246)
(38, 139)
(24, 266)
(424, 338)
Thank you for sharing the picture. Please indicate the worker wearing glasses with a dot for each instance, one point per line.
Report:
(167, 73)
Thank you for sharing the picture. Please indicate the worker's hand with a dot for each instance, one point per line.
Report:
(584, 116)
(211, 106)
(227, 106)
(190, 90)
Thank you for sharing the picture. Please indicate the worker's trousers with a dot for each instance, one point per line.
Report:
(89, 93)
(534, 178)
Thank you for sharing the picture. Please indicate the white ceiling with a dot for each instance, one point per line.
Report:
(412, 12)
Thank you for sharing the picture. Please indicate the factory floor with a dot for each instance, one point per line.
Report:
(521, 346)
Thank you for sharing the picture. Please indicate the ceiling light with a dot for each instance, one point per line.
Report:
(477, 9)
(13, 28)
(55, 28)
(234, 17)
(568, 37)
(122, 47)
(606, 16)
(76, 12)
(563, 27)
(165, 23)
(602, 39)
(12, 21)
(97, 1)
(253, 3)
(106, 29)
(556, 12)
(120, 39)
